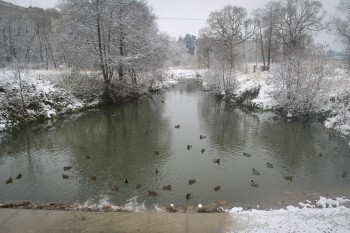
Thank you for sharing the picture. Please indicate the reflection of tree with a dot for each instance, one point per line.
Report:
(296, 146)
(113, 136)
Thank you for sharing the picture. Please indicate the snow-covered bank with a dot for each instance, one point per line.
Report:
(325, 215)
(44, 96)
(29, 95)
(334, 102)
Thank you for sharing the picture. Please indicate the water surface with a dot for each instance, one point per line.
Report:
(116, 140)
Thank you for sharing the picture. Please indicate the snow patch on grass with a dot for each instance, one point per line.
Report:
(327, 215)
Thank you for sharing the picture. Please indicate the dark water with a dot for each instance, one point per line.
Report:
(115, 139)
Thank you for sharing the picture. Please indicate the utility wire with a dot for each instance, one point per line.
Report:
(186, 19)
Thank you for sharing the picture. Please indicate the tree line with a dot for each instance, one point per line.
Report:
(118, 38)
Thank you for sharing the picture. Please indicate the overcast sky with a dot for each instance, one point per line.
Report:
(179, 17)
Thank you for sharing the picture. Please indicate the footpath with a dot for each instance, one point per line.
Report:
(47, 221)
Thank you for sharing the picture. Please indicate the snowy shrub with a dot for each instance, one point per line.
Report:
(299, 84)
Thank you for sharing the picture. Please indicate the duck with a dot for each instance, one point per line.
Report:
(216, 161)
(255, 172)
(192, 181)
(202, 137)
(67, 168)
(87, 157)
(189, 196)
(290, 178)
(156, 152)
(9, 180)
(126, 181)
(19, 176)
(167, 187)
(115, 188)
(177, 126)
(152, 193)
(254, 184)
(146, 132)
(94, 178)
(202, 150)
(157, 171)
(171, 208)
(138, 186)
(344, 174)
(189, 147)
(64, 176)
(246, 154)
(269, 165)
(217, 188)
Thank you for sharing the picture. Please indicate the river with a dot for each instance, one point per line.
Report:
(134, 140)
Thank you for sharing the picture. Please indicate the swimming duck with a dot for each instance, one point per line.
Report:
(217, 188)
(152, 193)
(167, 187)
(87, 157)
(126, 181)
(190, 182)
(189, 147)
(269, 165)
(9, 180)
(19, 176)
(157, 171)
(246, 154)
(115, 188)
(254, 184)
(65, 176)
(94, 178)
(255, 172)
(344, 174)
(156, 152)
(189, 196)
(202, 137)
(138, 186)
(146, 132)
(177, 126)
(67, 168)
(202, 150)
(290, 178)
(216, 161)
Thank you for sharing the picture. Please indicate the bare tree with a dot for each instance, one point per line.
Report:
(113, 36)
(340, 26)
(298, 19)
(227, 29)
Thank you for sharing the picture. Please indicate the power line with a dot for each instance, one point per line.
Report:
(182, 19)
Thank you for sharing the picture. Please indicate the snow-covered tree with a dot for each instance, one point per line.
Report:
(113, 36)
(226, 30)
(297, 20)
(340, 25)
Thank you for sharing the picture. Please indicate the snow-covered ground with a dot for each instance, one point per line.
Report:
(336, 98)
(325, 215)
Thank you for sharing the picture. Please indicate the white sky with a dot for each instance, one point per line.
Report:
(196, 9)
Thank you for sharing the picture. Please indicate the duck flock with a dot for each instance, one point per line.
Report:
(167, 187)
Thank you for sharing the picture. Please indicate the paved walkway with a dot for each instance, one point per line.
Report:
(46, 221)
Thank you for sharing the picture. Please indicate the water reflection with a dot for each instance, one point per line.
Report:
(115, 139)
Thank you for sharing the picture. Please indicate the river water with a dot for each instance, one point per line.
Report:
(115, 139)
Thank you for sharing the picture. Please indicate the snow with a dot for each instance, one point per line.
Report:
(335, 87)
(306, 218)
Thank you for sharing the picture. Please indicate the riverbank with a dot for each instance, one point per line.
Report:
(258, 90)
(34, 95)
(12, 220)
(330, 216)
